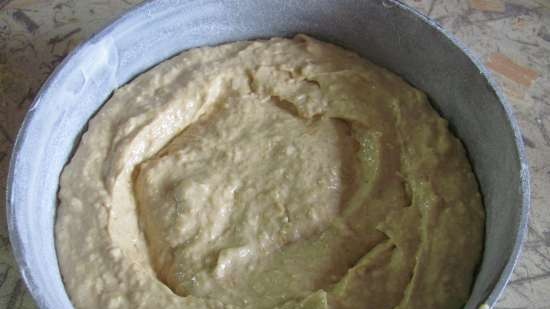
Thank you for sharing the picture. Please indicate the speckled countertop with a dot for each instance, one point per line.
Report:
(512, 37)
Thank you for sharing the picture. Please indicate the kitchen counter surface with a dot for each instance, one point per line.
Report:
(512, 38)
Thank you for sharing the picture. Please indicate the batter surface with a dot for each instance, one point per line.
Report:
(287, 173)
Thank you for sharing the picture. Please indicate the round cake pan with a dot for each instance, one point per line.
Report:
(386, 32)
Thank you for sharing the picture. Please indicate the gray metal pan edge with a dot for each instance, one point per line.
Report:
(384, 31)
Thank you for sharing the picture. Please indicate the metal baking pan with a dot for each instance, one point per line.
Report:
(386, 32)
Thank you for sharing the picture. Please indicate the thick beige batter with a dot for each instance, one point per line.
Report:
(268, 174)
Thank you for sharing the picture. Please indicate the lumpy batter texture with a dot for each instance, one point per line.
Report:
(287, 173)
